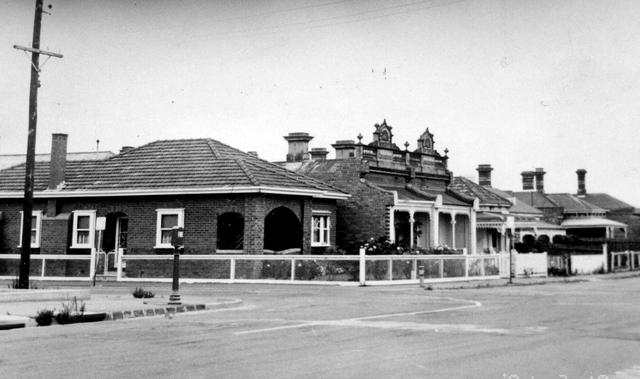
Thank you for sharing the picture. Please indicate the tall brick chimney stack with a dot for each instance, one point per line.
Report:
(527, 180)
(582, 188)
(484, 174)
(58, 162)
(298, 146)
(539, 173)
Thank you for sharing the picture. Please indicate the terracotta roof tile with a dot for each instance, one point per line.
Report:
(168, 164)
(472, 190)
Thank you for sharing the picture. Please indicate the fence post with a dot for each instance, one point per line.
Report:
(92, 264)
(232, 269)
(546, 264)
(119, 267)
(441, 268)
(466, 266)
(390, 269)
(604, 256)
(293, 268)
(363, 267)
(43, 268)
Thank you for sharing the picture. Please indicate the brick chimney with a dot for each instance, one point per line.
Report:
(345, 149)
(582, 188)
(484, 174)
(527, 180)
(298, 146)
(58, 162)
(319, 153)
(124, 149)
(539, 173)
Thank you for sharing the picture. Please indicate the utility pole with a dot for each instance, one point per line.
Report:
(27, 208)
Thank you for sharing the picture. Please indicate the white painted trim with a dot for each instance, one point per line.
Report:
(38, 214)
(92, 229)
(164, 212)
(327, 227)
(183, 191)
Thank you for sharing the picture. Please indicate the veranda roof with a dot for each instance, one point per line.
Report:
(592, 222)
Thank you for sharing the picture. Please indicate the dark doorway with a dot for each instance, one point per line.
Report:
(115, 237)
(282, 230)
(230, 234)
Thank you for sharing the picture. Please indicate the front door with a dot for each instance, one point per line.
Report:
(122, 228)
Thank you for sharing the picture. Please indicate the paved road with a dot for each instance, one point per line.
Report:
(580, 330)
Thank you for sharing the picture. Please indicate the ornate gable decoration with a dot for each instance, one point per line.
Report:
(425, 142)
(383, 136)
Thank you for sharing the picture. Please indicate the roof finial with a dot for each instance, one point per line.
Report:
(360, 138)
(406, 145)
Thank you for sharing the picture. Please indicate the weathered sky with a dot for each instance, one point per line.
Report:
(518, 84)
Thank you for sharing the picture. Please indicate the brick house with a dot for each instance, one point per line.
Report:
(398, 194)
(581, 214)
(227, 201)
(502, 220)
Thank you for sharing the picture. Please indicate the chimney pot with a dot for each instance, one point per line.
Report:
(484, 174)
(318, 153)
(527, 180)
(298, 146)
(124, 149)
(58, 161)
(345, 149)
(582, 187)
(539, 174)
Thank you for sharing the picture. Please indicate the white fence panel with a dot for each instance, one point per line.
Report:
(587, 263)
(533, 264)
(50, 266)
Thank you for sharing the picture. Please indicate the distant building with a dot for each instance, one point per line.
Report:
(581, 214)
(398, 194)
(8, 160)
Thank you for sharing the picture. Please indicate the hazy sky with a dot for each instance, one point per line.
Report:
(517, 84)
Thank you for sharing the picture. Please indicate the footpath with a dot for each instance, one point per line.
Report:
(18, 308)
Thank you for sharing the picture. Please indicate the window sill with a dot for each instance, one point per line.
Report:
(320, 244)
(80, 247)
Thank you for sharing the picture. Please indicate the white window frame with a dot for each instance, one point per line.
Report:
(164, 212)
(92, 229)
(38, 228)
(327, 217)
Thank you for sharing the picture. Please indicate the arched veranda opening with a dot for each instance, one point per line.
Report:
(282, 230)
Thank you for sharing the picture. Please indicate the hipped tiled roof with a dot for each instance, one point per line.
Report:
(573, 204)
(606, 201)
(473, 190)
(517, 206)
(169, 164)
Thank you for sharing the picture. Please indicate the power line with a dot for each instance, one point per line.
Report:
(401, 9)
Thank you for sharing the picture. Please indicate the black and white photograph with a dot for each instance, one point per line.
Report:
(320, 189)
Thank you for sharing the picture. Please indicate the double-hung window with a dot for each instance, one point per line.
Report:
(320, 229)
(167, 219)
(36, 226)
(84, 226)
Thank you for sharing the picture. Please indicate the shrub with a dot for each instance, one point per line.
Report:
(141, 293)
(44, 317)
(70, 312)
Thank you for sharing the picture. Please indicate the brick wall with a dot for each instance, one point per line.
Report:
(365, 214)
(200, 223)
